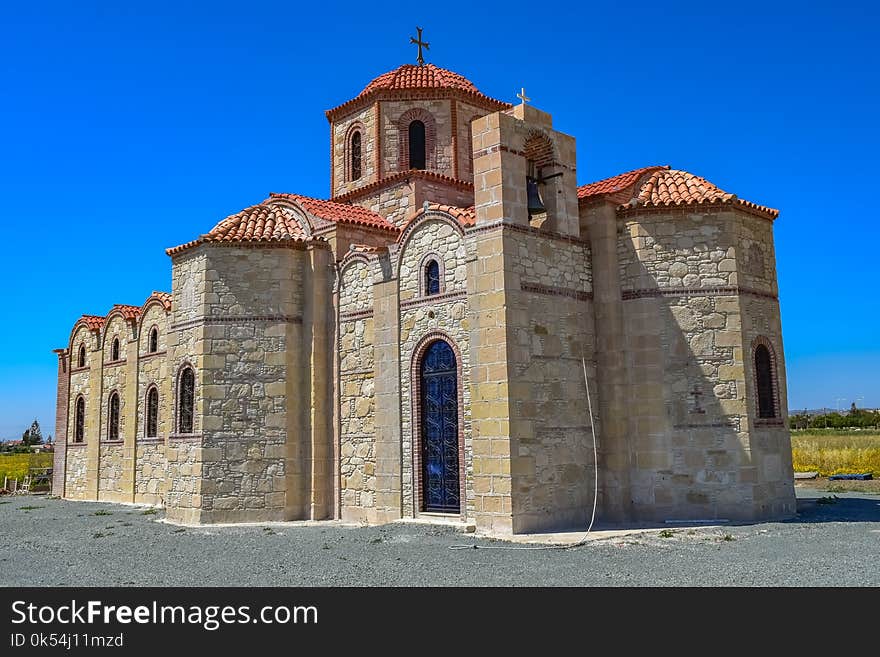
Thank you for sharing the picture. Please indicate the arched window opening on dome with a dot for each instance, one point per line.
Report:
(81, 360)
(154, 340)
(79, 421)
(355, 154)
(186, 394)
(113, 417)
(432, 277)
(766, 382)
(114, 350)
(417, 145)
(152, 412)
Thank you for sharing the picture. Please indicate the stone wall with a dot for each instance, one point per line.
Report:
(185, 340)
(153, 371)
(685, 346)
(425, 318)
(465, 114)
(254, 300)
(356, 392)
(114, 374)
(111, 468)
(76, 484)
(151, 473)
(550, 342)
(438, 148)
(394, 202)
(341, 131)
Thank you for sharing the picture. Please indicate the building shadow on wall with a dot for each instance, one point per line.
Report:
(692, 456)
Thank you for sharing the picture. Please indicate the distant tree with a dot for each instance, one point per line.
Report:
(33, 436)
(852, 409)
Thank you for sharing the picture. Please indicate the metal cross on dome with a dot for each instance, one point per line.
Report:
(420, 44)
(522, 95)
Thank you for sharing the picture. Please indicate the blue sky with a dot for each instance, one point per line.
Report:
(131, 127)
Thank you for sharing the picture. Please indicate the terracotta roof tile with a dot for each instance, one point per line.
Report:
(614, 184)
(671, 187)
(128, 312)
(341, 213)
(465, 216)
(163, 297)
(258, 223)
(411, 77)
(659, 187)
(93, 322)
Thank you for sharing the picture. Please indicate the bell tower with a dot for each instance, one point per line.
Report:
(524, 171)
(406, 139)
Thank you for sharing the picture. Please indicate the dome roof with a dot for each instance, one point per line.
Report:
(411, 77)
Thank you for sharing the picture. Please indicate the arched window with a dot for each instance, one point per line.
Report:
(765, 379)
(432, 277)
(114, 350)
(186, 394)
(79, 422)
(355, 153)
(416, 145)
(82, 356)
(113, 419)
(152, 412)
(154, 340)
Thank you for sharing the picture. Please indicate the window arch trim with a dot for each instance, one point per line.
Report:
(113, 416)
(773, 415)
(153, 346)
(441, 273)
(356, 126)
(79, 420)
(403, 123)
(151, 432)
(179, 407)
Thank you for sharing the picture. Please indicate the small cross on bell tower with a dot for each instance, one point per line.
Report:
(421, 44)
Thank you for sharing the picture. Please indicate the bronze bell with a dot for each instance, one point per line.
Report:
(535, 204)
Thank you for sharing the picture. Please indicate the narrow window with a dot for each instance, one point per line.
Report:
(79, 421)
(113, 420)
(82, 355)
(764, 375)
(355, 151)
(432, 278)
(154, 340)
(152, 412)
(186, 390)
(416, 145)
(114, 350)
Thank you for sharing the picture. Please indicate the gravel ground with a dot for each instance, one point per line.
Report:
(51, 542)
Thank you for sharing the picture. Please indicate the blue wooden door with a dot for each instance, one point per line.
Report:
(439, 383)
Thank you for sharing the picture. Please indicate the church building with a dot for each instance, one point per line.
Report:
(429, 341)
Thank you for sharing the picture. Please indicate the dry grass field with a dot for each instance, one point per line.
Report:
(15, 466)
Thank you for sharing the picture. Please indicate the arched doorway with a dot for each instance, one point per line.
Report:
(439, 420)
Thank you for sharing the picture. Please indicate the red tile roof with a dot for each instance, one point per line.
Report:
(464, 216)
(340, 213)
(269, 221)
(258, 223)
(614, 184)
(93, 322)
(411, 77)
(661, 187)
(164, 297)
(128, 312)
